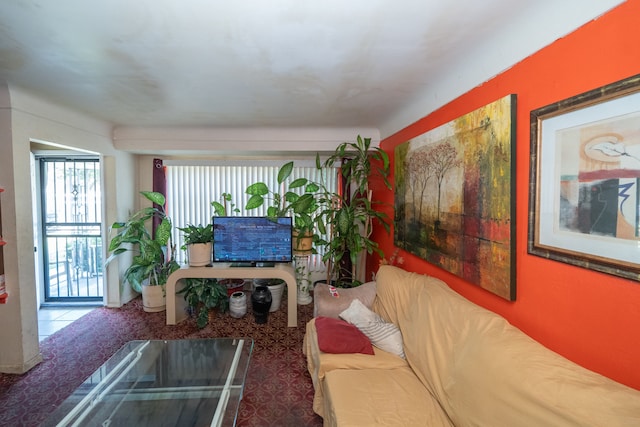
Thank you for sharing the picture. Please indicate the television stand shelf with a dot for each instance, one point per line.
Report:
(177, 306)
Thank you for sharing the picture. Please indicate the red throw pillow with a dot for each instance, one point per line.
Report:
(338, 336)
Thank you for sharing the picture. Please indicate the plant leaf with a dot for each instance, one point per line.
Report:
(154, 196)
(163, 232)
(218, 208)
(303, 203)
(254, 201)
(297, 183)
(284, 172)
(291, 197)
(311, 187)
(344, 221)
(257, 188)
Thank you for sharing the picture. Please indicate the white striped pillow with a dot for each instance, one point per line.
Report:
(383, 335)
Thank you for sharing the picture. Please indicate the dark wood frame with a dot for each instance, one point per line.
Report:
(604, 94)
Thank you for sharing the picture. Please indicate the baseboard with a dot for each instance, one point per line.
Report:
(21, 369)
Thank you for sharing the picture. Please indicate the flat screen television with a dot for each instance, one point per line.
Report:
(255, 241)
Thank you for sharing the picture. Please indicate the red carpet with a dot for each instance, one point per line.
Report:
(278, 390)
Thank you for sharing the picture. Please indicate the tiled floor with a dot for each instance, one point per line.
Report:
(52, 319)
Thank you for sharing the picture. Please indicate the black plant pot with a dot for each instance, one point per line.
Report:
(261, 303)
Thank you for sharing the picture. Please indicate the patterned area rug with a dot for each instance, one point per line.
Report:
(278, 391)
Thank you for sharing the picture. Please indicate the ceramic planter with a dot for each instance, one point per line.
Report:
(276, 287)
(199, 254)
(302, 245)
(153, 298)
(261, 301)
(238, 304)
(302, 279)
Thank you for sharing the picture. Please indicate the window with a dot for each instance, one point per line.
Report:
(192, 187)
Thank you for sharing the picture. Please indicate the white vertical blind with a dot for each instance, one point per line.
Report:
(192, 188)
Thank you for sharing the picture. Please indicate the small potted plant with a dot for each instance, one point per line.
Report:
(302, 206)
(205, 296)
(198, 241)
(232, 285)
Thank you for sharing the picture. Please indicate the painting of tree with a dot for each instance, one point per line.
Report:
(454, 199)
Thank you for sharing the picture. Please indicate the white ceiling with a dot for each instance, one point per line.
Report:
(276, 63)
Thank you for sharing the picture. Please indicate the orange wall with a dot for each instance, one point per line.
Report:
(589, 317)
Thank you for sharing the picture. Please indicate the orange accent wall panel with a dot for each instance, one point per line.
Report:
(589, 317)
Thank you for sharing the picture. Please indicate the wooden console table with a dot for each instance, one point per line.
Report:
(177, 306)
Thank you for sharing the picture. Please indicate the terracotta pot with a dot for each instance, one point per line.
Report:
(233, 285)
(302, 245)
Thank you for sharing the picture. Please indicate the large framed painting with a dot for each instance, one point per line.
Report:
(585, 180)
(455, 197)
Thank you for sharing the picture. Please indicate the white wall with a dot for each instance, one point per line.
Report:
(539, 25)
(25, 118)
(255, 142)
(19, 351)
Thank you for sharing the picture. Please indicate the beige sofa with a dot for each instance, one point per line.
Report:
(464, 366)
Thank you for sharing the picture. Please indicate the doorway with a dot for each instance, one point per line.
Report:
(71, 211)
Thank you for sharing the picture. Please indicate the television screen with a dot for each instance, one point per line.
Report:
(251, 240)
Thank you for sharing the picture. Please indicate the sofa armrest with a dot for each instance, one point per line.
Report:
(327, 305)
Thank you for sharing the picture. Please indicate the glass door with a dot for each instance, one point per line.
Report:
(71, 228)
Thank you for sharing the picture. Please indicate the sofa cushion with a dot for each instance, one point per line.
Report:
(380, 397)
(382, 334)
(324, 304)
(319, 363)
(338, 336)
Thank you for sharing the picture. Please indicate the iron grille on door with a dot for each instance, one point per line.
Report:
(71, 218)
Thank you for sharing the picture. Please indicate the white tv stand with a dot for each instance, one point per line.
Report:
(177, 306)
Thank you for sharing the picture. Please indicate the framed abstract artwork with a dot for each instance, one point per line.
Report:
(455, 197)
(584, 206)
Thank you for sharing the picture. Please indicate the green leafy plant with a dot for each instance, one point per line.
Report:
(348, 219)
(197, 234)
(153, 255)
(225, 206)
(301, 207)
(203, 295)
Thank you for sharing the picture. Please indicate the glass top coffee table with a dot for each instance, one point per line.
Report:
(195, 382)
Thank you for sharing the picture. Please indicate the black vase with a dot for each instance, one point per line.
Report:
(261, 303)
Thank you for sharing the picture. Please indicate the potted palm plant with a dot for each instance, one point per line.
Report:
(347, 218)
(298, 201)
(198, 242)
(153, 254)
